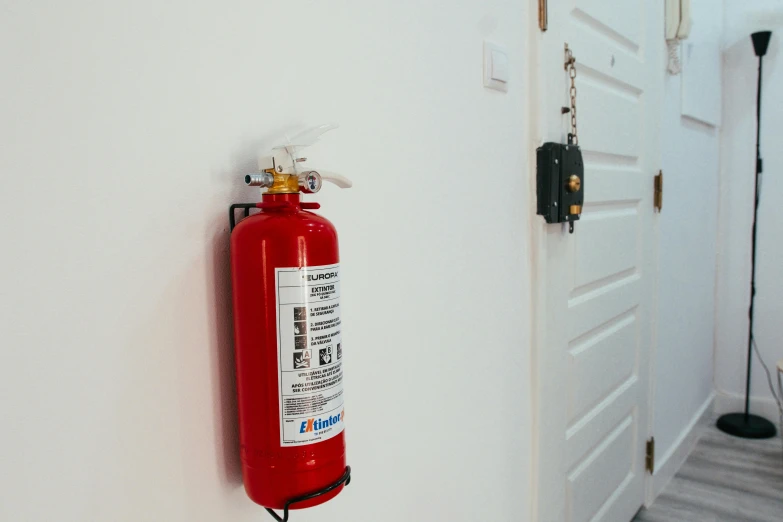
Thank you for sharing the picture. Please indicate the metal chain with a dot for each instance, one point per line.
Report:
(570, 66)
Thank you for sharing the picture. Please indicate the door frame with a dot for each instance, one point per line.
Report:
(539, 252)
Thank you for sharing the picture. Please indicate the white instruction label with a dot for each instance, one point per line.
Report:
(309, 354)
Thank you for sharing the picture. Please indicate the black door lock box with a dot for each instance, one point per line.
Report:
(560, 177)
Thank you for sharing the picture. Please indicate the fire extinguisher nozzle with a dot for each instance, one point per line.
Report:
(259, 180)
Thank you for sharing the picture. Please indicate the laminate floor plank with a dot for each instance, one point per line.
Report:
(724, 479)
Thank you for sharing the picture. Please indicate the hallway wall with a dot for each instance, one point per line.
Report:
(125, 130)
(687, 249)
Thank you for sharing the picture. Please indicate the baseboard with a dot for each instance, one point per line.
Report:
(669, 463)
(764, 406)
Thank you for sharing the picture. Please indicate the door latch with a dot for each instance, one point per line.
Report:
(560, 177)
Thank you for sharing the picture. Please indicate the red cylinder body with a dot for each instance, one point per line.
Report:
(267, 249)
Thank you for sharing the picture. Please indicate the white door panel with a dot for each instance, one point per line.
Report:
(622, 21)
(618, 65)
(598, 476)
(582, 435)
(607, 301)
(607, 107)
(606, 354)
(606, 244)
(595, 288)
(612, 183)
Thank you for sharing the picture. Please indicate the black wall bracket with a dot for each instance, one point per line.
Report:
(345, 479)
(232, 218)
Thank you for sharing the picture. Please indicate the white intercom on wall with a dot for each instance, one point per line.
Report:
(678, 19)
(678, 27)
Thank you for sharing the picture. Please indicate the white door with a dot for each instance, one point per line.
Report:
(595, 288)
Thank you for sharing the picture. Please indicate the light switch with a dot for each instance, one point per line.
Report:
(499, 69)
(496, 67)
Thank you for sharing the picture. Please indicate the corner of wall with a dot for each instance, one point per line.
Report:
(730, 402)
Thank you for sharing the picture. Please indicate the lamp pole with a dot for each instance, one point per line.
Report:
(747, 425)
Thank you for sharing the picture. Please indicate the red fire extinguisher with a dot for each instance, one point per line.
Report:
(285, 270)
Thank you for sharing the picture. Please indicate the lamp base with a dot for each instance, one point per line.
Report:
(746, 426)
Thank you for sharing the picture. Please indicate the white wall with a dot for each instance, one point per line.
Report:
(687, 244)
(736, 202)
(124, 131)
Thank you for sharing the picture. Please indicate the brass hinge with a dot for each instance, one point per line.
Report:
(649, 456)
(543, 23)
(658, 198)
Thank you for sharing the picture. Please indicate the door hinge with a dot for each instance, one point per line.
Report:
(543, 22)
(649, 456)
(658, 198)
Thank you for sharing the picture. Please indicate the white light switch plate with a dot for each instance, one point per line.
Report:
(496, 67)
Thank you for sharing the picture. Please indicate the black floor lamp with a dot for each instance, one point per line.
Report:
(745, 424)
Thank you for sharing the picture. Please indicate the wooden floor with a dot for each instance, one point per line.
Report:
(724, 479)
